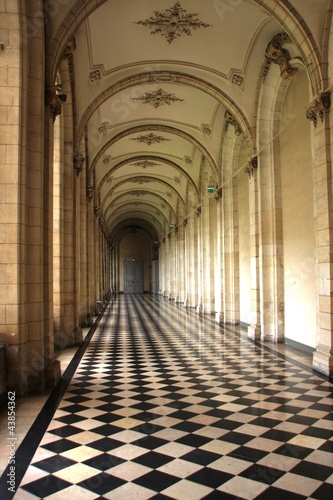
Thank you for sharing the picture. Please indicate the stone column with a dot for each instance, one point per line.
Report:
(180, 263)
(271, 249)
(254, 329)
(230, 253)
(218, 261)
(161, 267)
(173, 265)
(320, 113)
(198, 260)
(167, 263)
(192, 253)
(229, 216)
(206, 281)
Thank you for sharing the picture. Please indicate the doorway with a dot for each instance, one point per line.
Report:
(133, 278)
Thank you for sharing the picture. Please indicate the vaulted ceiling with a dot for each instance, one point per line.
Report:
(153, 82)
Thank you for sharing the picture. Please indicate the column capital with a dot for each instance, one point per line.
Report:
(231, 120)
(55, 99)
(69, 48)
(78, 160)
(318, 107)
(90, 192)
(275, 53)
(218, 194)
(252, 166)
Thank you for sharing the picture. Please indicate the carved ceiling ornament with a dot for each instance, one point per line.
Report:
(107, 159)
(231, 120)
(95, 75)
(145, 164)
(252, 166)
(104, 127)
(318, 107)
(149, 139)
(142, 180)
(206, 129)
(157, 98)
(275, 53)
(173, 23)
(237, 79)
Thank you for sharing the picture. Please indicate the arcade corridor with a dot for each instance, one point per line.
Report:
(167, 404)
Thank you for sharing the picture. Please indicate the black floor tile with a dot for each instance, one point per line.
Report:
(267, 475)
(290, 450)
(328, 446)
(249, 454)
(66, 431)
(153, 459)
(105, 444)
(316, 471)
(193, 440)
(104, 461)
(60, 446)
(324, 492)
(237, 438)
(273, 493)
(54, 463)
(318, 432)
(102, 483)
(149, 442)
(201, 457)
(186, 426)
(46, 486)
(278, 435)
(156, 480)
(210, 477)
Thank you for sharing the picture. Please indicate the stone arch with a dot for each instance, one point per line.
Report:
(162, 128)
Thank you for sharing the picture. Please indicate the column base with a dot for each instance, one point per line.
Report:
(78, 336)
(219, 318)
(323, 360)
(253, 332)
(199, 309)
(52, 373)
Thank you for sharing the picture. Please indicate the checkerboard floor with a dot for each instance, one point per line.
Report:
(166, 404)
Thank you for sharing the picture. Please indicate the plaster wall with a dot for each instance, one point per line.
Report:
(298, 216)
